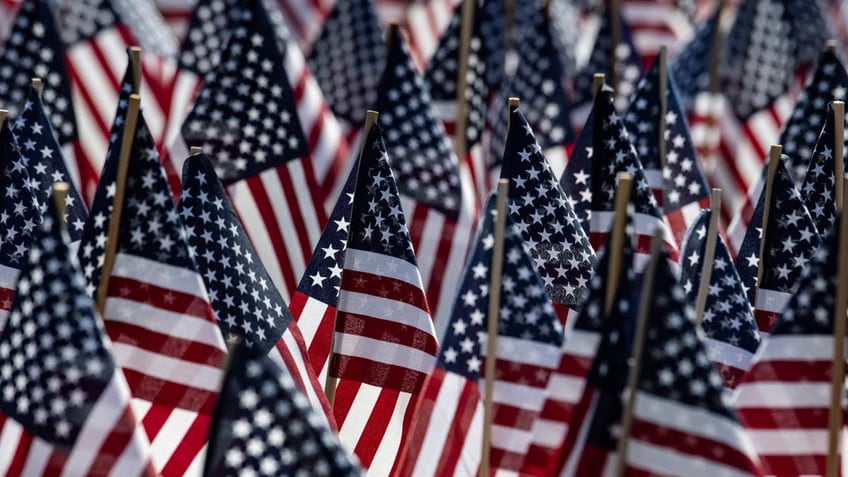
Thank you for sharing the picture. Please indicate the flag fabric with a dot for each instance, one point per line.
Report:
(785, 397)
(731, 333)
(447, 433)
(439, 205)
(677, 180)
(568, 395)
(65, 408)
(829, 82)
(560, 249)
(158, 316)
(791, 239)
(247, 304)
(264, 425)
(819, 186)
(590, 181)
(657, 23)
(681, 422)
(384, 340)
(45, 163)
(20, 214)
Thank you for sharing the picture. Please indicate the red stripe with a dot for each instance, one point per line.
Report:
(592, 460)
(77, 84)
(16, 467)
(311, 379)
(385, 287)
(521, 373)
(154, 418)
(443, 254)
(296, 209)
(794, 371)
(575, 423)
(815, 464)
(319, 347)
(505, 460)
(730, 374)
(423, 412)
(345, 393)
(800, 418)
(393, 332)
(120, 436)
(377, 374)
(189, 447)
(87, 173)
(374, 431)
(513, 417)
(765, 319)
(166, 299)
(7, 296)
(169, 394)
(55, 463)
(166, 345)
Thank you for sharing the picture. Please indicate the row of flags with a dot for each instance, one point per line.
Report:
(316, 299)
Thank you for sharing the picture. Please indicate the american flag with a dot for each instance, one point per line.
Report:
(158, 316)
(264, 425)
(681, 423)
(45, 164)
(590, 182)
(785, 398)
(20, 214)
(440, 208)
(677, 180)
(34, 48)
(448, 429)
(819, 186)
(791, 238)
(829, 82)
(65, 407)
(282, 208)
(560, 249)
(247, 304)
(732, 336)
(538, 81)
(657, 23)
(590, 395)
(384, 343)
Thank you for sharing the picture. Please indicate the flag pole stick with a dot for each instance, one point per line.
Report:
(774, 158)
(331, 381)
(645, 301)
(60, 192)
(465, 30)
(616, 244)
(597, 82)
(494, 307)
(839, 150)
(118, 201)
(709, 255)
(3, 114)
(837, 375)
(36, 85)
(135, 68)
(614, 16)
(194, 150)
(662, 59)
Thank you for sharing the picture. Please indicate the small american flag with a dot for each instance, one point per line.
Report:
(157, 313)
(264, 425)
(785, 398)
(732, 336)
(791, 238)
(45, 163)
(445, 439)
(65, 406)
(385, 343)
(819, 186)
(681, 421)
(247, 304)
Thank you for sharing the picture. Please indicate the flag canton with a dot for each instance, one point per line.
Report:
(627, 65)
(810, 309)
(642, 118)
(560, 249)
(246, 302)
(211, 22)
(565, 20)
(348, 57)
(441, 74)
(675, 365)
(810, 28)
(819, 186)
(55, 360)
(265, 426)
(759, 57)
(20, 212)
(525, 312)
(45, 163)
(684, 181)
(575, 180)
(378, 223)
(34, 49)
(323, 276)
(245, 115)
(728, 315)
(150, 225)
(426, 167)
(83, 19)
(829, 83)
(493, 35)
(690, 67)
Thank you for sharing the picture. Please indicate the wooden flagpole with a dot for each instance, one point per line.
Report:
(331, 381)
(837, 374)
(36, 85)
(614, 17)
(597, 83)
(774, 159)
(60, 192)
(466, 27)
(645, 301)
(493, 316)
(662, 59)
(709, 256)
(616, 243)
(3, 114)
(118, 201)
(135, 68)
(839, 150)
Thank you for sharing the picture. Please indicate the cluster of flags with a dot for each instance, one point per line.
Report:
(306, 241)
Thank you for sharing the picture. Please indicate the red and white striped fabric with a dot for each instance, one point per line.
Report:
(654, 24)
(644, 226)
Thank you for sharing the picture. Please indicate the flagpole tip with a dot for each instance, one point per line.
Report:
(514, 102)
(597, 82)
(60, 192)
(194, 150)
(36, 85)
(3, 114)
(830, 45)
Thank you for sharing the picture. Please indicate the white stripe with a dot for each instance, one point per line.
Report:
(182, 97)
(789, 441)
(431, 237)
(361, 408)
(557, 159)
(549, 433)
(302, 369)
(8, 277)
(138, 451)
(170, 436)
(162, 321)
(159, 274)
(772, 300)
(199, 376)
(71, 161)
(195, 469)
(654, 178)
(522, 396)
(10, 436)
(367, 262)
(37, 458)
(91, 79)
(721, 352)
(763, 394)
(310, 319)
(528, 352)
(582, 343)
(389, 448)
(306, 206)
(282, 211)
(796, 348)
(385, 309)
(511, 439)
(380, 351)
(471, 454)
(664, 460)
(565, 388)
